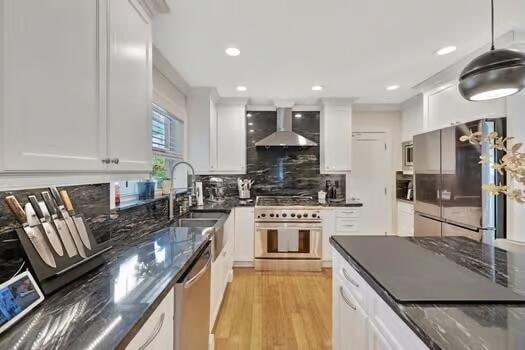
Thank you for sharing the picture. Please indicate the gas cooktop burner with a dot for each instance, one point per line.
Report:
(287, 201)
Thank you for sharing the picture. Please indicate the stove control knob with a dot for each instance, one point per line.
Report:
(285, 215)
(305, 215)
(276, 215)
(293, 215)
(298, 216)
(272, 215)
(314, 215)
(263, 215)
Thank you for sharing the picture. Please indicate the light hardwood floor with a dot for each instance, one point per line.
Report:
(276, 310)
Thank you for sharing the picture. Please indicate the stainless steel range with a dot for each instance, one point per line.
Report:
(288, 233)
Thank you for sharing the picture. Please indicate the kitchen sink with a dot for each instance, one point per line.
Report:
(203, 215)
(187, 222)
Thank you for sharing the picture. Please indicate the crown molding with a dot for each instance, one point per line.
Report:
(155, 7)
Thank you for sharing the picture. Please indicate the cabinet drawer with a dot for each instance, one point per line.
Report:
(353, 282)
(346, 225)
(347, 213)
(157, 331)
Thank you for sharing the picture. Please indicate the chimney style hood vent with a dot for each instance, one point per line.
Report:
(284, 136)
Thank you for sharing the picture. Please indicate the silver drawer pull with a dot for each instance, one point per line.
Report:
(154, 334)
(352, 306)
(349, 279)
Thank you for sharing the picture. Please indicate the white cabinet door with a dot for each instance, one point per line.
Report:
(447, 107)
(336, 139)
(353, 322)
(53, 65)
(244, 235)
(378, 341)
(130, 85)
(157, 331)
(328, 217)
(405, 219)
(230, 139)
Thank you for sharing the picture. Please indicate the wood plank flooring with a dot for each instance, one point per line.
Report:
(276, 310)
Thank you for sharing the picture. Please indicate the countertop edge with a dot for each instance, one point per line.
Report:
(427, 340)
(153, 306)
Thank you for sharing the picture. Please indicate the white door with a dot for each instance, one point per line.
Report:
(353, 322)
(130, 74)
(369, 182)
(53, 120)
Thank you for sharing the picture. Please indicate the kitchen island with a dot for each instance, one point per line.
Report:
(391, 324)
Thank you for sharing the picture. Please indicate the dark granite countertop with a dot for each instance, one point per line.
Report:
(105, 308)
(463, 326)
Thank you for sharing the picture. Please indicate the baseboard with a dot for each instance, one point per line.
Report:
(243, 264)
(327, 263)
(230, 276)
(211, 342)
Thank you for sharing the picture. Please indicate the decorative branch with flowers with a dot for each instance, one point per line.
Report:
(512, 163)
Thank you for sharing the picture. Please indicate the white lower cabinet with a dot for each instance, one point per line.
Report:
(361, 319)
(157, 331)
(338, 221)
(221, 269)
(405, 219)
(244, 236)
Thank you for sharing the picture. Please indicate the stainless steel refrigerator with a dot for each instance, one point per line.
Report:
(449, 200)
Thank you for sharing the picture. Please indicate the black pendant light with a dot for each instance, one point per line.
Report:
(494, 74)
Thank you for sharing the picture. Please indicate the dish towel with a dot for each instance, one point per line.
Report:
(288, 240)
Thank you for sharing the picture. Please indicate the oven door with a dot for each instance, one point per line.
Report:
(288, 240)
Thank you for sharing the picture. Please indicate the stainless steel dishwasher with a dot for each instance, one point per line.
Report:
(192, 305)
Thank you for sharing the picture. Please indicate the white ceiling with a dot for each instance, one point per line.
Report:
(353, 48)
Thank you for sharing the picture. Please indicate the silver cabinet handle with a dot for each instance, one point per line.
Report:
(115, 161)
(352, 306)
(349, 279)
(153, 335)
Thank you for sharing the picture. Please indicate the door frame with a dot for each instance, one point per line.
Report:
(389, 179)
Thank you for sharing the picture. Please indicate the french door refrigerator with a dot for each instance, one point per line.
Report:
(449, 200)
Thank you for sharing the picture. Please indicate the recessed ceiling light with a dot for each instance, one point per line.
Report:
(298, 115)
(250, 124)
(251, 130)
(241, 88)
(317, 88)
(392, 87)
(233, 51)
(248, 115)
(446, 50)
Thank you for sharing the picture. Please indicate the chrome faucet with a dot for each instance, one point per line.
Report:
(172, 190)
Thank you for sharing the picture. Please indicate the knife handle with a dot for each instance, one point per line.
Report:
(36, 206)
(56, 195)
(16, 209)
(67, 202)
(49, 203)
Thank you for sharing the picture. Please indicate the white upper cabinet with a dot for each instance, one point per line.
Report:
(216, 133)
(130, 87)
(53, 66)
(411, 117)
(77, 87)
(336, 136)
(446, 107)
(230, 133)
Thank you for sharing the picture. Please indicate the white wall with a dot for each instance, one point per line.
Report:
(411, 117)
(390, 123)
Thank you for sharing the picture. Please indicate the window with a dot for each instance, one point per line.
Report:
(167, 142)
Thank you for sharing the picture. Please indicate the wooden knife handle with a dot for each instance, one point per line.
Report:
(16, 208)
(49, 203)
(36, 206)
(56, 195)
(67, 202)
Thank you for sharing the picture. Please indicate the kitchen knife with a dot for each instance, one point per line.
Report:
(33, 233)
(63, 214)
(60, 224)
(48, 228)
(79, 222)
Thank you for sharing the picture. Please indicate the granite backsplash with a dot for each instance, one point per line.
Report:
(282, 170)
(121, 227)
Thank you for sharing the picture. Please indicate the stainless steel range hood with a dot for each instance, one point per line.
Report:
(284, 136)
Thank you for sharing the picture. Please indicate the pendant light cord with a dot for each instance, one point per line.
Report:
(492, 22)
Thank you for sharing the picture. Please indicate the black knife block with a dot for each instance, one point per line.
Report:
(67, 269)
